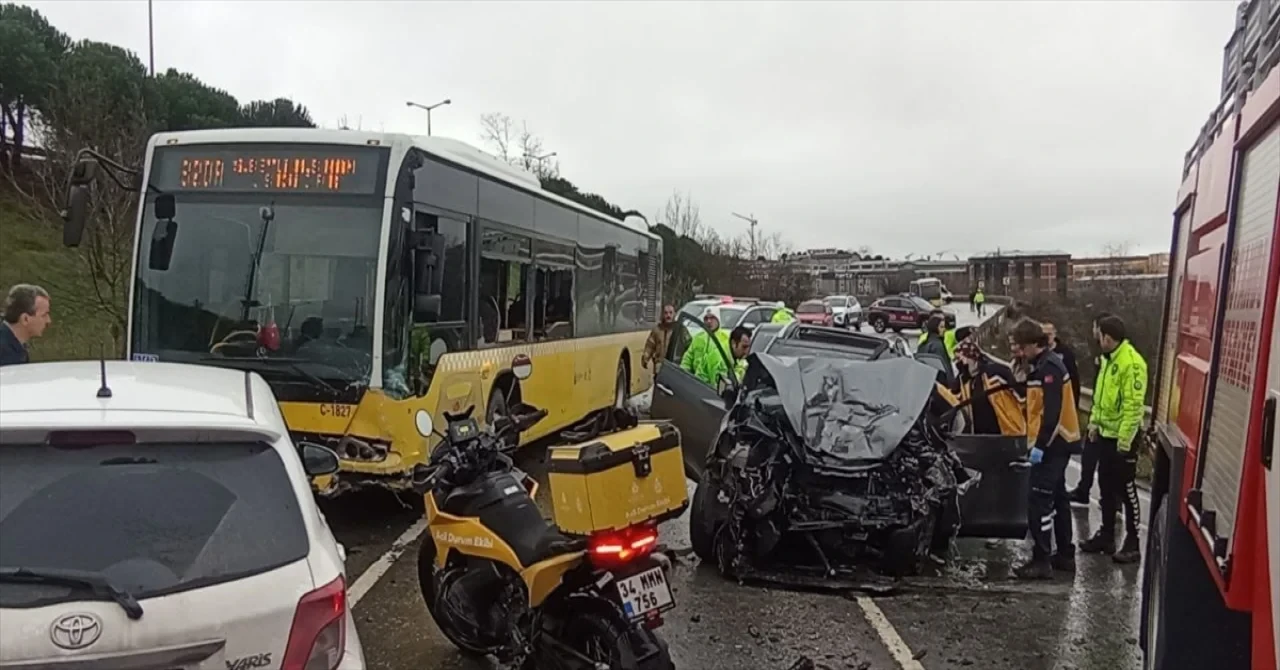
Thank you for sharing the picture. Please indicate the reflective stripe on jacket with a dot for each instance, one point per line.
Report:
(1004, 401)
(1118, 395)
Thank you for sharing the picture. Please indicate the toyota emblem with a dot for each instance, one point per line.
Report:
(76, 631)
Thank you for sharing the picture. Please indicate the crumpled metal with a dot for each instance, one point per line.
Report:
(849, 414)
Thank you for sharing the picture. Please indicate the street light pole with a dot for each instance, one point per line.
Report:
(752, 221)
(428, 109)
(151, 39)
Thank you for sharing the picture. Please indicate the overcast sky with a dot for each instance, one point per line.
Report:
(903, 126)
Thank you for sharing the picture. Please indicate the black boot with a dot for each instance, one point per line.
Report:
(1102, 542)
(1036, 568)
(1064, 561)
(1129, 551)
(1079, 496)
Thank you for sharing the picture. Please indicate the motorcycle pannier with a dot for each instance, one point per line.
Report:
(618, 480)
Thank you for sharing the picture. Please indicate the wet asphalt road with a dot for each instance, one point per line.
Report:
(972, 616)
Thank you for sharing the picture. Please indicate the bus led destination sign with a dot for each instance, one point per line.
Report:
(330, 169)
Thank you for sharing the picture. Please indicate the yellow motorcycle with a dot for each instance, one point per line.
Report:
(500, 580)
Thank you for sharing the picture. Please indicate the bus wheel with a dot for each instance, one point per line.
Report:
(621, 387)
(499, 406)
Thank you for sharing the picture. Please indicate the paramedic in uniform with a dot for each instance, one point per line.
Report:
(1053, 433)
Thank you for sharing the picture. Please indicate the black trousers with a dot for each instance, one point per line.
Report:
(1117, 477)
(1049, 509)
(1088, 465)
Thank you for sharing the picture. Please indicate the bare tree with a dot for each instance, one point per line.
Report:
(517, 145)
(681, 214)
(498, 132)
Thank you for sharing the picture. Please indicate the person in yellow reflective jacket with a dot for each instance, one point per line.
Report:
(782, 315)
(716, 367)
(1114, 421)
(995, 406)
(701, 356)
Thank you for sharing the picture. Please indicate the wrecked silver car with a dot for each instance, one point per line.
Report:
(829, 464)
(831, 456)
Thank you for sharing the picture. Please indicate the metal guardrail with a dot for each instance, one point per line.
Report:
(1086, 394)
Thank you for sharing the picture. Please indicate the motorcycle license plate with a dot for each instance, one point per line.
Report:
(645, 594)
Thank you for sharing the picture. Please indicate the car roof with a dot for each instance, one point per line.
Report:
(148, 394)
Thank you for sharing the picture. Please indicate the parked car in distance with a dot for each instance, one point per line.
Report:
(158, 515)
(847, 311)
(900, 312)
(734, 313)
(815, 313)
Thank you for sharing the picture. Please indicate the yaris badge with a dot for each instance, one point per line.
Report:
(75, 631)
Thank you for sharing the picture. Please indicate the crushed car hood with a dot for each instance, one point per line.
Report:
(847, 413)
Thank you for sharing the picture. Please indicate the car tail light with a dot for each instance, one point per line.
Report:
(624, 546)
(318, 636)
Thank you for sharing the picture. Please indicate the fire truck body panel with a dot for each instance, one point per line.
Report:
(1211, 586)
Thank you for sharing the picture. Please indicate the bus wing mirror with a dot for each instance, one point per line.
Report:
(426, 307)
(165, 207)
(161, 253)
(79, 194)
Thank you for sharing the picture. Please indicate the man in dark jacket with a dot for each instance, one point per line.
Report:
(935, 330)
(1066, 353)
(26, 315)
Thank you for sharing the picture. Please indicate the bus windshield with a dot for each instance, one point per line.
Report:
(314, 281)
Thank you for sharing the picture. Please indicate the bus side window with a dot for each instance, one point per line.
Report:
(445, 331)
(553, 304)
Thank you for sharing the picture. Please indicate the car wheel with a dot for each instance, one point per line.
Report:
(878, 324)
(705, 514)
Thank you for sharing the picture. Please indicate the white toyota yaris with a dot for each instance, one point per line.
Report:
(158, 516)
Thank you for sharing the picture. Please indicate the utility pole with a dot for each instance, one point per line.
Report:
(428, 108)
(151, 39)
(752, 222)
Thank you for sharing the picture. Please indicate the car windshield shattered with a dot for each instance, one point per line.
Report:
(826, 466)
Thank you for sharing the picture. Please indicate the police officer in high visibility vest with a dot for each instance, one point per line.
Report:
(1114, 421)
(782, 315)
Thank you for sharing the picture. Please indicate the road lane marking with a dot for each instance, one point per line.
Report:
(367, 579)
(897, 647)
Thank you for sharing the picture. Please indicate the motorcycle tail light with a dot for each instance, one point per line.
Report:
(624, 546)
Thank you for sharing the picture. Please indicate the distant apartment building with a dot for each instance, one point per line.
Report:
(839, 272)
(1022, 273)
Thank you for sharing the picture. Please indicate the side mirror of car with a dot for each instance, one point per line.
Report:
(318, 460)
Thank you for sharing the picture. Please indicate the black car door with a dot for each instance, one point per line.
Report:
(997, 505)
(686, 401)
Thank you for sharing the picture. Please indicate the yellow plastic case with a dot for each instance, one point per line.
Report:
(618, 480)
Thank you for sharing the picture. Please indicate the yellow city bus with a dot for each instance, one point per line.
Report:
(368, 275)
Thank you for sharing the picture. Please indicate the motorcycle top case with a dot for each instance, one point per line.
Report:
(618, 480)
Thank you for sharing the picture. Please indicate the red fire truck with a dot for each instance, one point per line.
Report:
(1211, 585)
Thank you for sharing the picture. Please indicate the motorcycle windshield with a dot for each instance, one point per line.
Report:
(847, 413)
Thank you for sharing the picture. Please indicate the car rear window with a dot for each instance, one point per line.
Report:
(152, 518)
(811, 308)
(730, 316)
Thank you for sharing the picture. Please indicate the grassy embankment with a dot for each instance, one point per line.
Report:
(31, 251)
